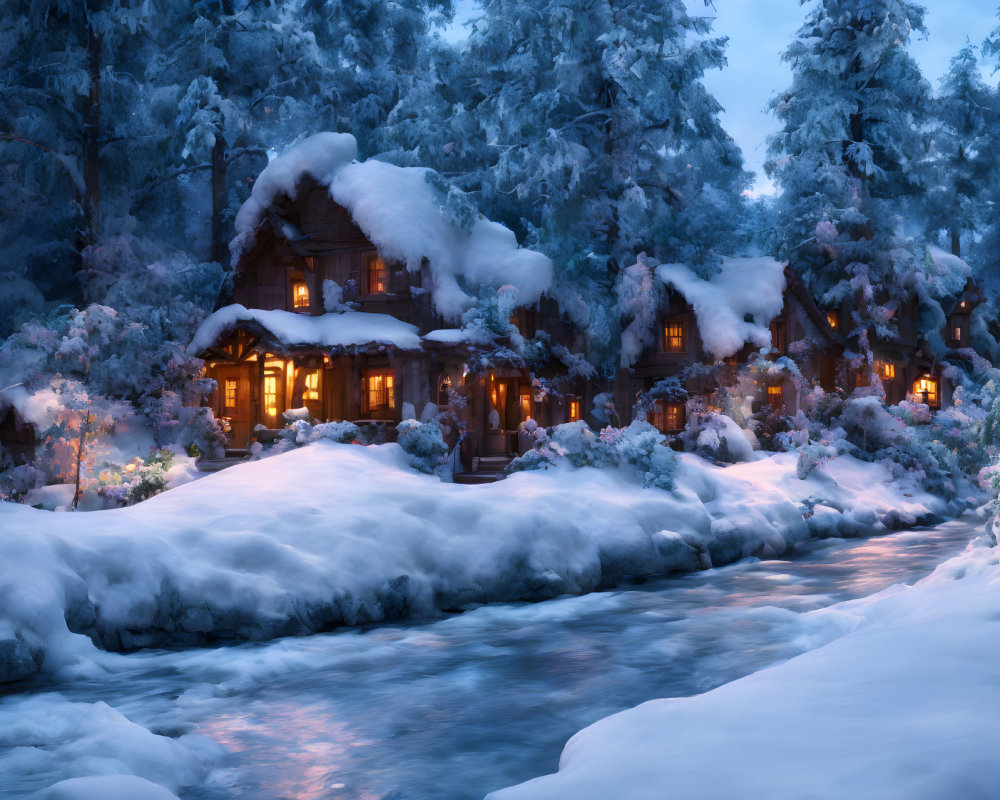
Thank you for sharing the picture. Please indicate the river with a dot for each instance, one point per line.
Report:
(453, 708)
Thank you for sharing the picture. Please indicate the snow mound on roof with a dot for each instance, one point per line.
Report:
(398, 211)
(743, 287)
(946, 273)
(352, 328)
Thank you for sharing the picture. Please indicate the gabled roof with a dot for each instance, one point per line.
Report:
(405, 217)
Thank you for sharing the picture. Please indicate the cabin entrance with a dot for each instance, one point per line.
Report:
(508, 404)
(233, 406)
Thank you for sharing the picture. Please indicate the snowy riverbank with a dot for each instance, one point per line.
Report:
(333, 535)
(899, 708)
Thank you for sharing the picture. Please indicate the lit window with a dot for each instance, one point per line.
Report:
(300, 295)
(667, 417)
(230, 393)
(310, 390)
(379, 396)
(775, 397)
(925, 390)
(574, 410)
(833, 318)
(525, 404)
(956, 333)
(271, 396)
(377, 277)
(674, 337)
(886, 370)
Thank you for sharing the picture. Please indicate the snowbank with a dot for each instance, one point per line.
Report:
(332, 535)
(743, 287)
(902, 707)
(350, 329)
(398, 210)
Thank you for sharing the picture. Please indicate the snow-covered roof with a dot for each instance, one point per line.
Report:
(743, 287)
(351, 328)
(398, 210)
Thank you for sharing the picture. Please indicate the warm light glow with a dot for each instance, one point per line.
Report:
(379, 392)
(886, 370)
(963, 304)
(925, 390)
(833, 318)
(229, 401)
(377, 276)
(311, 390)
(667, 417)
(300, 295)
(674, 337)
(271, 396)
(775, 396)
(574, 410)
(525, 405)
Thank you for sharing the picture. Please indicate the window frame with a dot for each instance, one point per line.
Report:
(681, 335)
(386, 392)
(376, 266)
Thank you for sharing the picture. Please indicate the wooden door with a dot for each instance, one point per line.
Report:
(234, 401)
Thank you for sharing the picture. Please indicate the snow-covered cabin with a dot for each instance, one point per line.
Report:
(706, 329)
(350, 283)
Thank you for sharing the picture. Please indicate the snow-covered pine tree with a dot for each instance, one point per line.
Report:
(598, 141)
(846, 154)
(962, 157)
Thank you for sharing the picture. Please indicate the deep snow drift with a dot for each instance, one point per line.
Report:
(332, 534)
(904, 706)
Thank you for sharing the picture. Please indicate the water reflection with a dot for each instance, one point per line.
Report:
(454, 708)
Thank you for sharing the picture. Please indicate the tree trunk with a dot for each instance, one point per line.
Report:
(220, 249)
(91, 145)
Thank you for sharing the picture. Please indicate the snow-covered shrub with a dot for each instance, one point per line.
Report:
(768, 425)
(136, 481)
(811, 456)
(423, 443)
(721, 439)
(639, 445)
(301, 432)
(16, 482)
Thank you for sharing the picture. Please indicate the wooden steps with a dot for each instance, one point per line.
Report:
(489, 469)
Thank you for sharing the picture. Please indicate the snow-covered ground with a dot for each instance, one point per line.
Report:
(903, 706)
(332, 534)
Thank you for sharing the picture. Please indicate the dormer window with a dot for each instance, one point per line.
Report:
(300, 295)
(376, 276)
(674, 340)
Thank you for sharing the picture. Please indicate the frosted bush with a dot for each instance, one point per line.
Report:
(721, 439)
(300, 432)
(640, 445)
(423, 443)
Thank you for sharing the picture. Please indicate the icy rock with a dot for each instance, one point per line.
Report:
(18, 659)
(106, 787)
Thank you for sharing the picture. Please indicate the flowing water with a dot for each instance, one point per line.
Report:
(456, 707)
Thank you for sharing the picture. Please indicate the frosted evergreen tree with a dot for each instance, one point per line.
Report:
(846, 153)
(963, 154)
(598, 141)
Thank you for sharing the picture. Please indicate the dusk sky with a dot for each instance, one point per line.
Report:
(759, 30)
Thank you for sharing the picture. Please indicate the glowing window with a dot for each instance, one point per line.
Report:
(271, 396)
(886, 370)
(300, 295)
(376, 276)
(379, 395)
(310, 390)
(673, 333)
(925, 390)
(833, 318)
(574, 410)
(525, 404)
(667, 417)
(230, 393)
(956, 333)
(775, 396)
